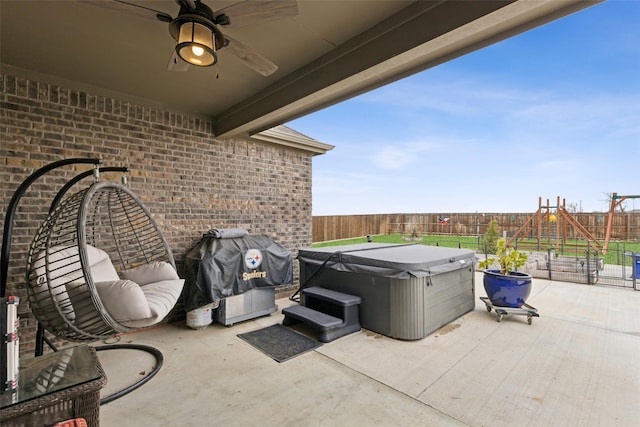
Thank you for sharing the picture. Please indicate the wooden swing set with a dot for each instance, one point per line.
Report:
(556, 221)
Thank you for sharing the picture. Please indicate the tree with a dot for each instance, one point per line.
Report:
(491, 236)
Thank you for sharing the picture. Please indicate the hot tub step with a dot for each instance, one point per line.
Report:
(312, 317)
(337, 298)
(330, 327)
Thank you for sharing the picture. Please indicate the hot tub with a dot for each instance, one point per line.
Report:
(407, 291)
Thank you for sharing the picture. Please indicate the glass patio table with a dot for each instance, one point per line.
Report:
(55, 387)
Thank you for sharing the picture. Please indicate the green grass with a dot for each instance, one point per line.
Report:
(465, 242)
(615, 255)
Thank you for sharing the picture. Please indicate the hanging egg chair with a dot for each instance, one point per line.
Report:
(100, 265)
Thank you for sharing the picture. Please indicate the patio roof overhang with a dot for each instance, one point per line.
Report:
(326, 54)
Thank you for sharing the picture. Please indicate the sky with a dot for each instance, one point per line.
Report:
(553, 112)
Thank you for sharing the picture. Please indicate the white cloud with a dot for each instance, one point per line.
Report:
(402, 155)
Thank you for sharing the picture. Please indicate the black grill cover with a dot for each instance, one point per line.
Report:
(219, 268)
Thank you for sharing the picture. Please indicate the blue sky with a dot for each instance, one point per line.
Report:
(552, 112)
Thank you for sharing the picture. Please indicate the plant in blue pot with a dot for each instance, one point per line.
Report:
(505, 286)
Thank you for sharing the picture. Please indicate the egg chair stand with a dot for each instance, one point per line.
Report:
(13, 205)
(98, 266)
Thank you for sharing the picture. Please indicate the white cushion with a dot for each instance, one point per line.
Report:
(57, 289)
(139, 306)
(102, 269)
(161, 298)
(63, 261)
(143, 297)
(123, 300)
(64, 267)
(150, 273)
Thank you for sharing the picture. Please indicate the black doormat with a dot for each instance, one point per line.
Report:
(280, 343)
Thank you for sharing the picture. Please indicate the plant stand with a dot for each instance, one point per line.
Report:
(525, 310)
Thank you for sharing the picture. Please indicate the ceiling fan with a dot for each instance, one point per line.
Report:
(197, 33)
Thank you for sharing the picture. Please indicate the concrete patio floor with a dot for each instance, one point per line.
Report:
(576, 365)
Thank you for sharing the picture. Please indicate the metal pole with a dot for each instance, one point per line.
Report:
(11, 210)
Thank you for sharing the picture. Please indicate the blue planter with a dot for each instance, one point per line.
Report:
(510, 290)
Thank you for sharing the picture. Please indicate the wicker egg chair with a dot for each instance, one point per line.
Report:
(99, 265)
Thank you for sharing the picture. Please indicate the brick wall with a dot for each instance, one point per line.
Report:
(189, 180)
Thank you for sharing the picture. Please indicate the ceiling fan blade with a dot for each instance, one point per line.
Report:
(176, 63)
(248, 12)
(134, 9)
(250, 57)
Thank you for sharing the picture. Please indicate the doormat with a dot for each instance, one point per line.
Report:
(280, 343)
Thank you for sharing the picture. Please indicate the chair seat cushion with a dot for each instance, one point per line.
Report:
(139, 297)
(123, 300)
(161, 297)
(151, 273)
(137, 306)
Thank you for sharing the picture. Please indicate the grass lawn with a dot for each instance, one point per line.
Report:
(615, 255)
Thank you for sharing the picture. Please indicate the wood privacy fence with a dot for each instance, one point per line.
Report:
(626, 226)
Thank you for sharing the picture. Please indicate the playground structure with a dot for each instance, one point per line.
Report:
(547, 234)
(560, 246)
(550, 227)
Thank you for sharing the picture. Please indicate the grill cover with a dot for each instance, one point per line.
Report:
(217, 268)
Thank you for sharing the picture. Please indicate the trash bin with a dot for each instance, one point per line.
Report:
(635, 264)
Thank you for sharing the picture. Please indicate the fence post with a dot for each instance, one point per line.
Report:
(589, 263)
(624, 260)
(634, 269)
(549, 263)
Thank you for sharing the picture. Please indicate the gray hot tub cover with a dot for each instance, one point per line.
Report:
(389, 260)
(217, 268)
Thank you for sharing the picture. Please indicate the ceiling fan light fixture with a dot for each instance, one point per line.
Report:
(196, 44)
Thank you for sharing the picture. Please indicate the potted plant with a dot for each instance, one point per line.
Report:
(505, 286)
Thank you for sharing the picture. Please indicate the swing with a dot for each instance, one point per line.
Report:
(99, 265)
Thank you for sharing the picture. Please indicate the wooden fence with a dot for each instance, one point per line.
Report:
(626, 226)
